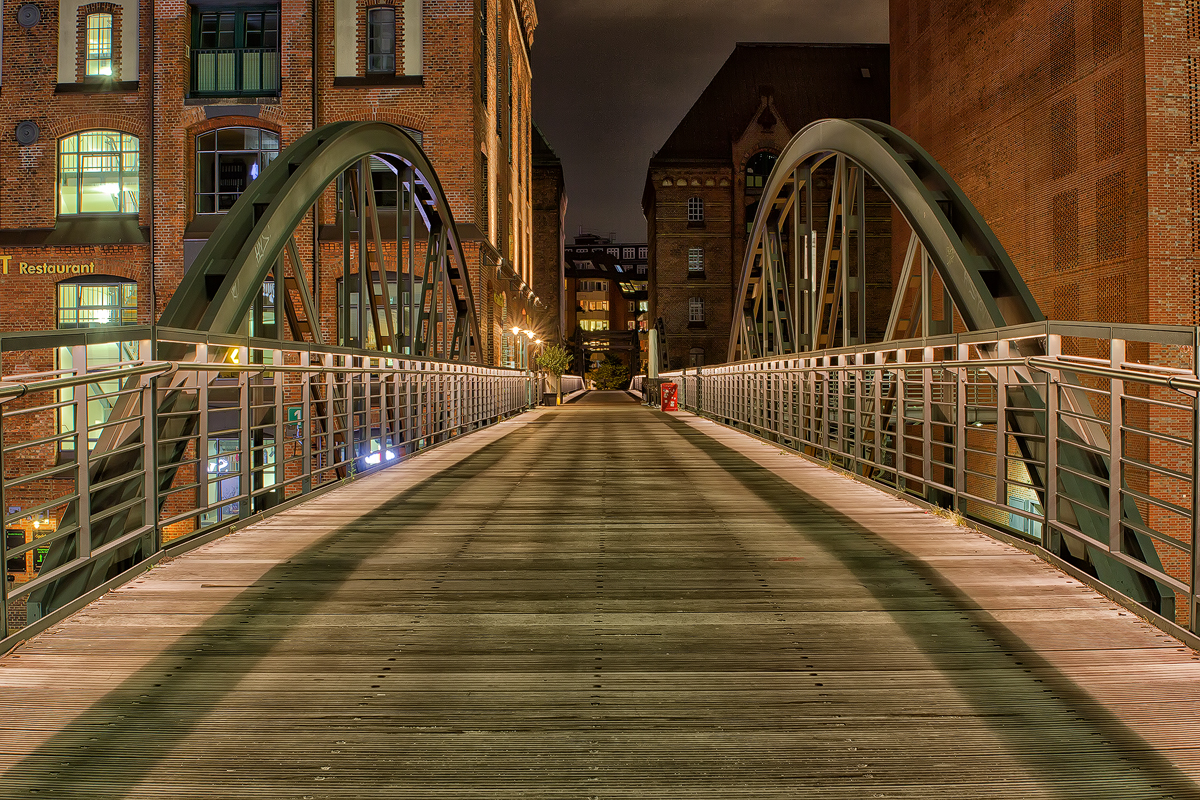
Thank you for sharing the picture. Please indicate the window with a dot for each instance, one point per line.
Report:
(99, 60)
(758, 168)
(235, 52)
(98, 173)
(485, 197)
(615, 252)
(629, 253)
(94, 301)
(643, 305)
(227, 160)
(695, 209)
(695, 261)
(696, 309)
(381, 40)
(696, 357)
(632, 306)
(593, 324)
(642, 252)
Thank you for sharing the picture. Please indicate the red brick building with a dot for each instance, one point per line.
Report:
(137, 125)
(130, 128)
(1073, 127)
(703, 184)
(549, 240)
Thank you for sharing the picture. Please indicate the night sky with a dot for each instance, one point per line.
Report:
(612, 78)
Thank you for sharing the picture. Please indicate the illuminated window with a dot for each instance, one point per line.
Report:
(99, 60)
(695, 260)
(381, 40)
(227, 160)
(235, 52)
(98, 173)
(87, 303)
(695, 209)
(758, 168)
(91, 302)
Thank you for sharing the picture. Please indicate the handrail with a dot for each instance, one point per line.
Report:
(12, 391)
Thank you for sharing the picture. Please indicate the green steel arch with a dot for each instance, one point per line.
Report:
(805, 278)
(782, 278)
(218, 291)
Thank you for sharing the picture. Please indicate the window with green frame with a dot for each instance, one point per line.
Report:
(99, 60)
(92, 302)
(98, 173)
(235, 51)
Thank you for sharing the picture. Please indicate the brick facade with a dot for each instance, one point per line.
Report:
(443, 99)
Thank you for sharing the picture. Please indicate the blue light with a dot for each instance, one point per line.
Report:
(254, 170)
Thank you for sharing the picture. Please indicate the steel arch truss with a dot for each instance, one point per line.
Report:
(420, 299)
(808, 272)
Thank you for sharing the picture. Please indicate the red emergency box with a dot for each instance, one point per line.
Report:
(670, 397)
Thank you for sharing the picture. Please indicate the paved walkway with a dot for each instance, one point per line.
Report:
(602, 601)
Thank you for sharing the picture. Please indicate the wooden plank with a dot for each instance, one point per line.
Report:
(602, 601)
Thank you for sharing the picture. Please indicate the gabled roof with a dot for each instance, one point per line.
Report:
(543, 153)
(807, 81)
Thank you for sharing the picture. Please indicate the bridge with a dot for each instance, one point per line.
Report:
(951, 554)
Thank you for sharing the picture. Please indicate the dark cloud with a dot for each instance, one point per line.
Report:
(611, 78)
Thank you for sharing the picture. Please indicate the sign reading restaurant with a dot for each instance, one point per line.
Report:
(44, 268)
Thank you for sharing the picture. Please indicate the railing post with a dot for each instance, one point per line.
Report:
(306, 422)
(927, 421)
(79, 395)
(1002, 425)
(962, 352)
(1050, 483)
(150, 454)
(246, 444)
(1193, 603)
(1115, 451)
(3, 538)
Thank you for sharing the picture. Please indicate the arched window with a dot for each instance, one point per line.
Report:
(98, 173)
(227, 160)
(758, 168)
(695, 209)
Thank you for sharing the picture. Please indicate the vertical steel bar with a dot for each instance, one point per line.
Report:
(3, 538)
(1194, 571)
(1116, 454)
(1002, 378)
(1050, 482)
(960, 426)
(927, 421)
(245, 437)
(861, 284)
(79, 396)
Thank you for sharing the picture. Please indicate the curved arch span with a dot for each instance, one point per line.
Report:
(797, 291)
(257, 235)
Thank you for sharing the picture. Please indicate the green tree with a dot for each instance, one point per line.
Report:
(611, 374)
(555, 360)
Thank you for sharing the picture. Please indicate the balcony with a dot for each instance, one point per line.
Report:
(234, 72)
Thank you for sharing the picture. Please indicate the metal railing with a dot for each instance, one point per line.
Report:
(1078, 438)
(104, 466)
(235, 71)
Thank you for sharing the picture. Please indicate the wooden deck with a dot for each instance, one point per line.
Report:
(602, 601)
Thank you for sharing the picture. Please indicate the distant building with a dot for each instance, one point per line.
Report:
(606, 299)
(703, 184)
(549, 240)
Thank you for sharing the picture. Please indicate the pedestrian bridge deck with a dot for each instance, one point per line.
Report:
(602, 601)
